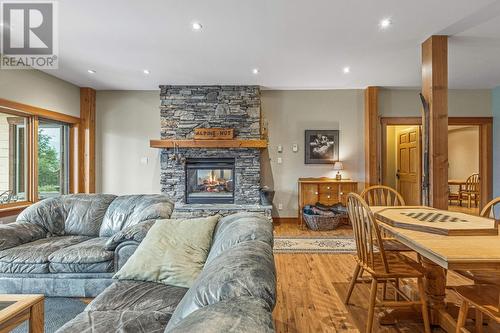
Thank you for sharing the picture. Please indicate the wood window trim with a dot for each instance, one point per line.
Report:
(33, 114)
(485, 125)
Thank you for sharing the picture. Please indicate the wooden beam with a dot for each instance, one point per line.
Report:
(86, 146)
(371, 136)
(258, 144)
(435, 91)
(486, 162)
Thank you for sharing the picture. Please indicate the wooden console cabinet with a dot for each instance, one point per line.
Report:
(326, 191)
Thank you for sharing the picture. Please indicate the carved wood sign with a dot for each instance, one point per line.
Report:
(213, 133)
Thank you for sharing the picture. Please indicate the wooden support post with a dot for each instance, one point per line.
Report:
(86, 146)
(435, 91)
(371, 136)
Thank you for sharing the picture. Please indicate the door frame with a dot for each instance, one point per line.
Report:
(485, 148)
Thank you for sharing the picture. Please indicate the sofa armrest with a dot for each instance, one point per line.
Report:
(123, 252)
(15, 234)
(136, 232)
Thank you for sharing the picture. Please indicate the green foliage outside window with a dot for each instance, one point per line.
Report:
(48, 165)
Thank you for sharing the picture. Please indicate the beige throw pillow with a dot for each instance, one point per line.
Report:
(173, 252)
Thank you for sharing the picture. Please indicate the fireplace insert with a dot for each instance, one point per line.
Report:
(210, 180)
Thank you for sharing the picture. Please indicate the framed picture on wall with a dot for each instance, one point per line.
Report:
(321, 146)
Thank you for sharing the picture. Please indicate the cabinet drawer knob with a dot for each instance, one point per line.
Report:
(341, 193)
(328, 188)
(316, 192)
(328, 197)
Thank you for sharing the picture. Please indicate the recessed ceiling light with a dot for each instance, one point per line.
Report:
(347, 70)
(385, 23)
(146, 71)
(91, 71)
(197, 26)
(255, 71)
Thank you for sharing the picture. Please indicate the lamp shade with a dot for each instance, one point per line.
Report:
(338, 166)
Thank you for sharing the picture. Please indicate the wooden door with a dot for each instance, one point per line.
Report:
(409, 165)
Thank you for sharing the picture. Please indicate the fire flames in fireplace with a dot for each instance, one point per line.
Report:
(210, 181)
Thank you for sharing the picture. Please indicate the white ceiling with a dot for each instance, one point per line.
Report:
(296, 44)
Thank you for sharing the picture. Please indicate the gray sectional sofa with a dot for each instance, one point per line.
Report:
(235, 292)
(72, 245)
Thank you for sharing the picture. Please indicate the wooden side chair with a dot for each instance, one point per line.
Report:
(486, 277)
(486, 300)
(380, 195)
(484, 295)
(381, 266)
(470, 191)
(491, 209)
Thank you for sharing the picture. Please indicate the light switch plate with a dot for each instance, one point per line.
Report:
(144, 160)
(280, 160)
(295, 147)
(280, 149)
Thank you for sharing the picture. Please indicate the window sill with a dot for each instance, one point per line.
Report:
(13, 208)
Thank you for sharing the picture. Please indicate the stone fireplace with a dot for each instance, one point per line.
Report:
(236, 186)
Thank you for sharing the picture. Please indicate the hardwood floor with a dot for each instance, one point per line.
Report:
(311, 289)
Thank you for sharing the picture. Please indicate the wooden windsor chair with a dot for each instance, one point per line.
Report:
(381, 266)
(484, 295)
(470, 191)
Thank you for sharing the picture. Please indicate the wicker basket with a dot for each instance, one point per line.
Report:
(324, 222)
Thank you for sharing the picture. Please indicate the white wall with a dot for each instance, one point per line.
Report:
(463, 151)
(289, 114)
(461, 103)
(126, 121)
(39, 89)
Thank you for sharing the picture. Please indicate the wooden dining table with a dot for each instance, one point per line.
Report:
(440, 253)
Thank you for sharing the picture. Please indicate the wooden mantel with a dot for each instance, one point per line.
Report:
(235, 143)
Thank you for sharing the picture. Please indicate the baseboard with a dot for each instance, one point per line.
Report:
(278, 220)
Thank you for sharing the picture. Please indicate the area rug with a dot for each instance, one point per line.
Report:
(302, 244)
(58, 311)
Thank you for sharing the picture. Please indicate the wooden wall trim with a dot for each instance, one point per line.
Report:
(36, 111)
(371, 135)
(86, 146)
(486, 162)
(435, 91)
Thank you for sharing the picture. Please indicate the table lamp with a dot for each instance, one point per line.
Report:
(338, 166)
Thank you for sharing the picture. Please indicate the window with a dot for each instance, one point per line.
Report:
(13, 158)
(53, 158)
(39, 155)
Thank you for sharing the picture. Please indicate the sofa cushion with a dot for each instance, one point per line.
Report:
(128, 210)
(85, 213)
(173, 252)
(236, 228)
(237, 315)
(89, 256)
(15, 234)
(246, 270)
(33, 257)
(138, 296)
(136, 232)
(117, 321)
(48, 214)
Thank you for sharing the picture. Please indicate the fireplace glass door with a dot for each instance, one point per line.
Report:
(210, 180)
